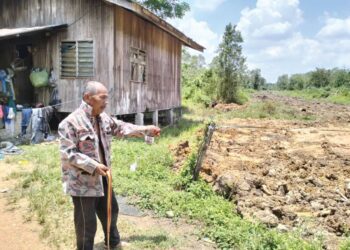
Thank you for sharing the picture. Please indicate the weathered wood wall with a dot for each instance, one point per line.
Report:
(163, 58)
(113, 30)
(87, 20)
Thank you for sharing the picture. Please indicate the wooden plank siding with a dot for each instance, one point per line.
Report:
(162, 87)
(113, 31)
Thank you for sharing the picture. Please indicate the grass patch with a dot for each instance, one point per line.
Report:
(265, 110)
(155, 186)
(333, 95)
(345, 245)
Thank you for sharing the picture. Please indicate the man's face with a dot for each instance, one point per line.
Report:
(98, 101)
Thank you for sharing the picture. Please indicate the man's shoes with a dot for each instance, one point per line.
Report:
(121, 245)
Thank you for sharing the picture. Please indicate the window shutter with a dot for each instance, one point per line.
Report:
(68, 59)
(85, 59)
(77, 59)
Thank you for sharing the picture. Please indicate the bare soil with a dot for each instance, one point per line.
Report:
(18, 231)
(287, 174)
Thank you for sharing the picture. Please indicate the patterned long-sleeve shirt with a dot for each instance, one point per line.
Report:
(80, 149)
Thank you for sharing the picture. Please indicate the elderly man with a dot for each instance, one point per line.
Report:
(85, 143)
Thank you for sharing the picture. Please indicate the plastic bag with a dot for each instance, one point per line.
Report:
(39, 78)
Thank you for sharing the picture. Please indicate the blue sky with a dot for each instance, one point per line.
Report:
(280, 36)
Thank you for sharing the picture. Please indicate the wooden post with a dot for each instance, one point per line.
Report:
(203, 149)
(155, 118)
(139, 119)
(170, 117)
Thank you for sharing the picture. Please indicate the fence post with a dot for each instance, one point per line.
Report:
(203, 149)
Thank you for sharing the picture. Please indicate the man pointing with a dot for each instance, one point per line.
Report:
(85, 144)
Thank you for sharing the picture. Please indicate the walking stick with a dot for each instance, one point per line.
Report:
(109, 206)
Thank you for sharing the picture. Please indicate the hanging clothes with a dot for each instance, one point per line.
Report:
(40, 123)
(10, 82)
(2, 124)
(37, 134)
(6, 112)
(26, 115)
(10, 124)
(1, 112)
(3, 77)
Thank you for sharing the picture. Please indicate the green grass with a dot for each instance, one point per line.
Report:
(333, 95)
(267, 110)
(345, 245)
(254, 110)
(154, 185)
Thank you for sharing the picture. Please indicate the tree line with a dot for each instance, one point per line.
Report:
(318, 78)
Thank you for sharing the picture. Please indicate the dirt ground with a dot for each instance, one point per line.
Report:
(287, 174)
(15, 232)
(18, 233)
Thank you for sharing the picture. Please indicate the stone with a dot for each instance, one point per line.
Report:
(244, 186)
(267, 217)
(314, 181)
(331, 177)
(278, 211)
(316, 205)
(271, 172)
(282, 228)
(282, 189)
(169, 214)
(326, 213)
(266, 190)
(347, 188)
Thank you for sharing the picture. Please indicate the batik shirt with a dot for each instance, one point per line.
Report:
(79, 148)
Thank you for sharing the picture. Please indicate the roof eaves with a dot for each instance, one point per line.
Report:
(161, 23)
(23, 31)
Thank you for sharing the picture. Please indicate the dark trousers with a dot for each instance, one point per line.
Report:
(85, 210)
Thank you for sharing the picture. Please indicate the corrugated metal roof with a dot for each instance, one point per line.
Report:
(151, 17)
(17, 32)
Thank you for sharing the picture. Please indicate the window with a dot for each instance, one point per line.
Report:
(77, 59)
(138, 65)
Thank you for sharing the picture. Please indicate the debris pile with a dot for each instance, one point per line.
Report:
(285, 174)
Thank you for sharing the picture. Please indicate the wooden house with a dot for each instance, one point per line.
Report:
(136, 54)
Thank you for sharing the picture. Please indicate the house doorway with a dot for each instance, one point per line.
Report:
(22, 65)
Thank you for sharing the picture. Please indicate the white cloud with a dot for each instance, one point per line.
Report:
(207, 5)
(273, 42)
(270, 19)
(200, 32)
(335, 28)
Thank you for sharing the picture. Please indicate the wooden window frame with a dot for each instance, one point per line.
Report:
(77, 67)
(138, 63)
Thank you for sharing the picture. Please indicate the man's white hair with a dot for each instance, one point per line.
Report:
(91, 87)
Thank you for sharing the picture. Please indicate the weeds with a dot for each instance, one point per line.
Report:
(154, 185)
(335, 95)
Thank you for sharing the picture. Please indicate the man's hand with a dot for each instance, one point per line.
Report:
(101, 170)
(153, 131)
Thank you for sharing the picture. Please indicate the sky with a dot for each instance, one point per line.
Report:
(280, 36)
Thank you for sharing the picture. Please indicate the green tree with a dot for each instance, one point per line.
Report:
(210, 83)
(256, 80)
(320, 78)
(283, 82)
(231, 65)
(192, 66)
(166, 8)
(296, 81)
(340, 77)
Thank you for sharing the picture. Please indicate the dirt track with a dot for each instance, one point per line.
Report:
(287, 174)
